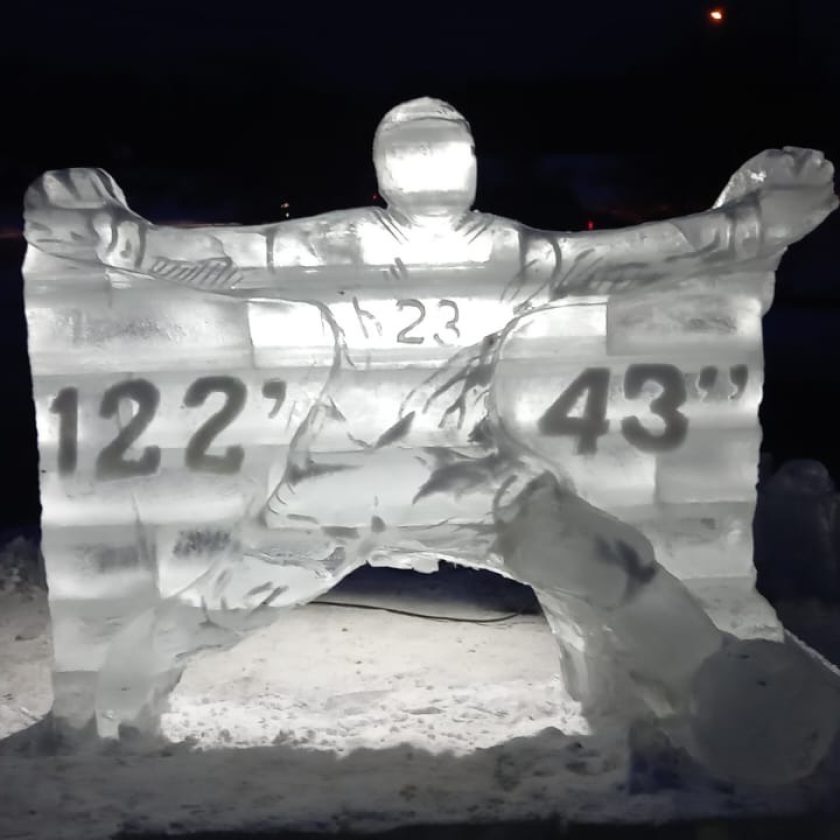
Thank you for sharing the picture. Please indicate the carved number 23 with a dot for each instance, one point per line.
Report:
(451, 325)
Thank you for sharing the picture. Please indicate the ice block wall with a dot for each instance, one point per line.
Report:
(164, 415)
(649, 403)
(159, 413)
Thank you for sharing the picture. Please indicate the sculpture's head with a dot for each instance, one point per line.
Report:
(424, 156)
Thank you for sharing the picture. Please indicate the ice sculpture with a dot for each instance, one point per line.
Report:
(231, 419)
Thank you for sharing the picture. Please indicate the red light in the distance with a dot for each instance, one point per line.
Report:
(717, 15)
(590, 225)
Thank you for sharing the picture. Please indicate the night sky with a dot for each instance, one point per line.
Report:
(274, 97)
(610, 112)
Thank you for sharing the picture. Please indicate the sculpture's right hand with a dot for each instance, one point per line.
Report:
(794, 188)
(81, 214)
(797, 194)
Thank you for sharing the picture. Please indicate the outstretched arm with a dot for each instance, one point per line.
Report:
(82, 215)
(771, 202)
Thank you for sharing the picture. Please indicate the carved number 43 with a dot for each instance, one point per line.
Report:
(593, 385)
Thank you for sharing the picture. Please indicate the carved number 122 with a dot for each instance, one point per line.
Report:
(111, 461)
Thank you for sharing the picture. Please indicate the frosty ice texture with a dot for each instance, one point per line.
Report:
(231, 419)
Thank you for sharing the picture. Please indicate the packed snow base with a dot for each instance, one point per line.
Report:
(322, 721)
(233, 419)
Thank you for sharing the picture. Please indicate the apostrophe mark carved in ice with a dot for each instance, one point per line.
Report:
(707, 379)
(712, 386)
(739, 374)
(275, 389)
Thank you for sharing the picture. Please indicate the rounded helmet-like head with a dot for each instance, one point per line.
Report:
(424, 157)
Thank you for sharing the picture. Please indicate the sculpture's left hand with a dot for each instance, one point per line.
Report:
(76, 213)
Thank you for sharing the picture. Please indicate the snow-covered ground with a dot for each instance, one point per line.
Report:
(341, 717)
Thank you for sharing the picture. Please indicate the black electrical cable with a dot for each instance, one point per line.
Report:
(496, 620)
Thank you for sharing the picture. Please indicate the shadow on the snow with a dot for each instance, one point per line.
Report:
(748, 829)
(160, 790)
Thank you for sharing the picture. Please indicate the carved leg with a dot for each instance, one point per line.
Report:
(663, 636)
(749, 710)
(620, 617)
(586, 660)
(237, 595)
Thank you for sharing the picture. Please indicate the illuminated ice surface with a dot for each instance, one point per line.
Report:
(233, 419)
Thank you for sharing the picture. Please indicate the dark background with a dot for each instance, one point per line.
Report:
(603, 112)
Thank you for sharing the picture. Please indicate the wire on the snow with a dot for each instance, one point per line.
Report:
(496, 620)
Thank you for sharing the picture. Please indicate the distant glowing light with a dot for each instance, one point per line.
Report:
(717, 15)
(285, 205)
(590, 225)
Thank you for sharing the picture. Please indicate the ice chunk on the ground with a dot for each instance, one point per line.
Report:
(764, 711)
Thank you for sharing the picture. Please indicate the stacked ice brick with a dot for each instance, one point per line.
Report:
(662, 426)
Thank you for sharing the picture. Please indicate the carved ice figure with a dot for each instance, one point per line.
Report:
(404, 386)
